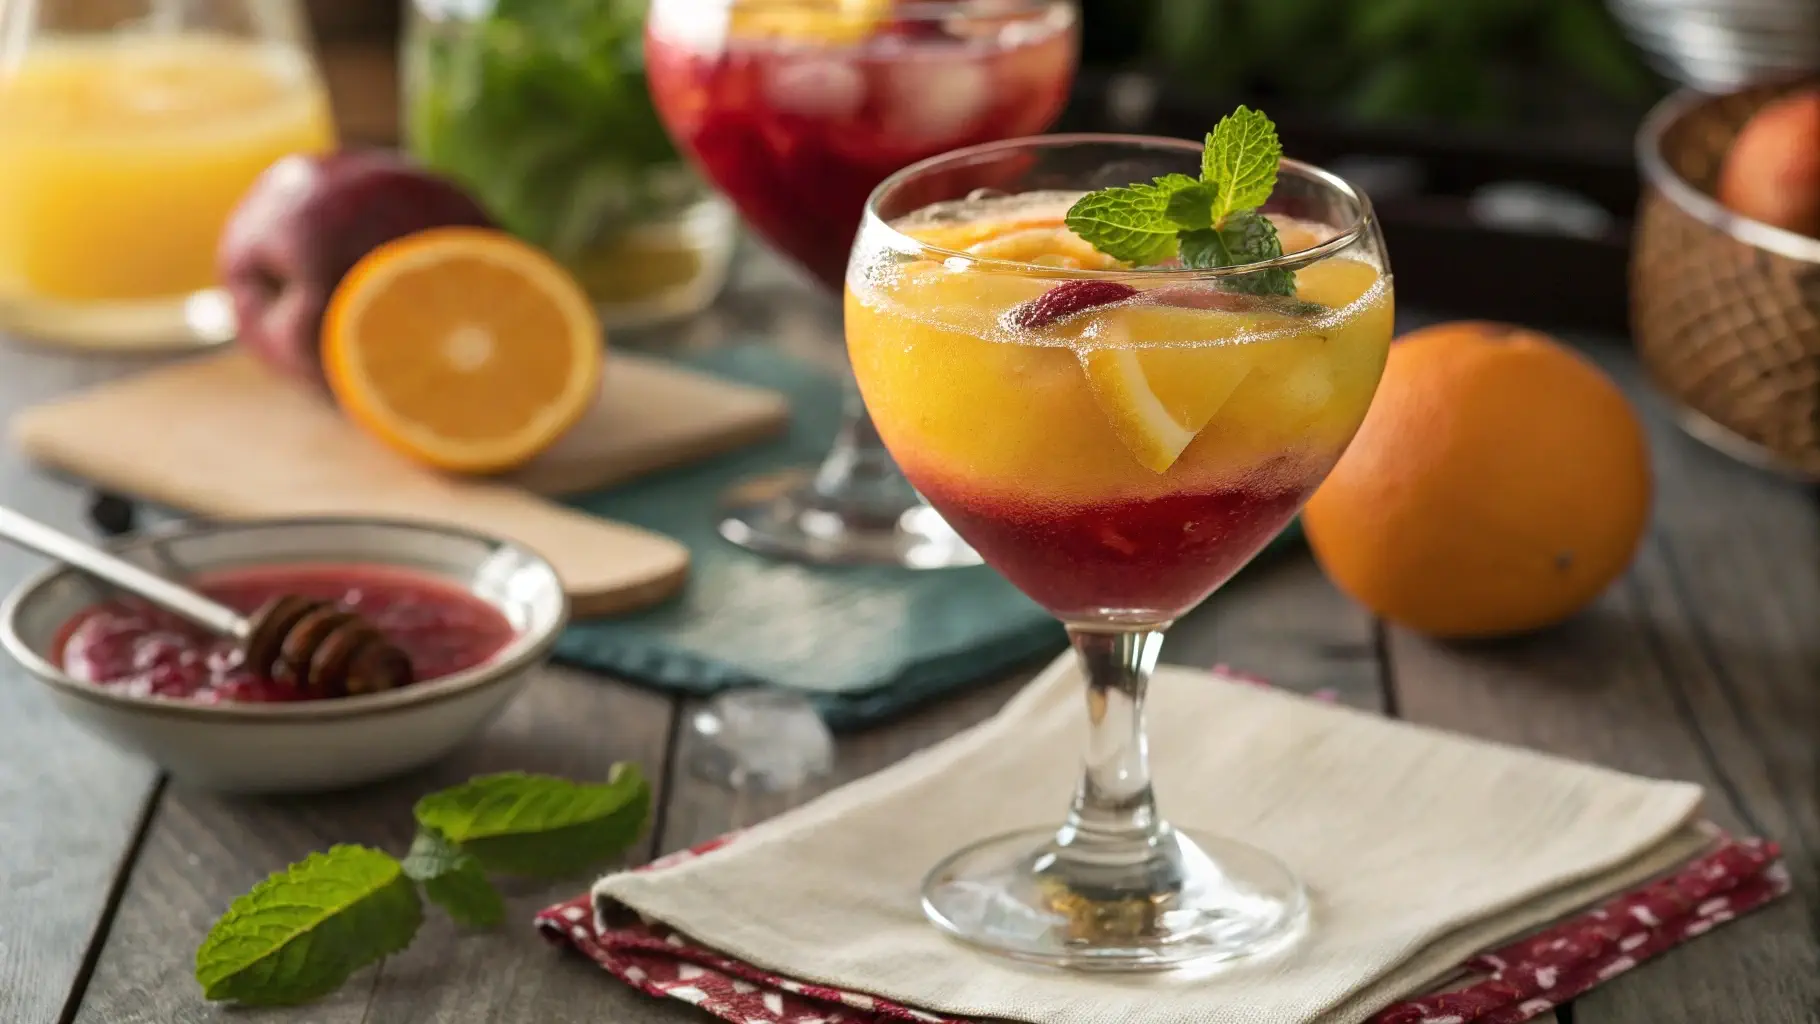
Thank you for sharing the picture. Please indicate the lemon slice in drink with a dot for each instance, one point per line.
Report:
(1161, 374)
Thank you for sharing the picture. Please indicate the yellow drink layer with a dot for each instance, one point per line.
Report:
(1139, 399)
(121, 158)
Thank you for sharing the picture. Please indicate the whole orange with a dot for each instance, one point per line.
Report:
(1499, 483)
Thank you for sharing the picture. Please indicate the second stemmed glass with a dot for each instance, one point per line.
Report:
(796, 109)
(1117, 443)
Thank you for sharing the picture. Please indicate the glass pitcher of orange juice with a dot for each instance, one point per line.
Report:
(129, 129)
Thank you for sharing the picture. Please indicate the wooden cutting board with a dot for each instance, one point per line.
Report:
(222, 436)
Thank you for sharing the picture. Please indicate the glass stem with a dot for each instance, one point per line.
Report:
(858, 475)
(1113, 823)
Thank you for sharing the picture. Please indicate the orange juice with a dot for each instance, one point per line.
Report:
(121, 158)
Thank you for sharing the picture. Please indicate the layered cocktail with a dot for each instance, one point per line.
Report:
(1117, 432)
(796, 109)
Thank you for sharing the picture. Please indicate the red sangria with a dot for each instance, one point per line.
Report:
(796, 110)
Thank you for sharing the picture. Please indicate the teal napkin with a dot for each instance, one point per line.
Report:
(862, 643)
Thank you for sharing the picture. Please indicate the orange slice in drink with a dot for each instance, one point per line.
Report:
(1049, 245)
(828, 22)
(1157, 387)
(462, 348)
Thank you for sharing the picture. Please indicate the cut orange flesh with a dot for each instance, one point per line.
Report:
(462, 348)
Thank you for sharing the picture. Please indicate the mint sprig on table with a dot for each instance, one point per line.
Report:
(300, 934)
(1207, 223)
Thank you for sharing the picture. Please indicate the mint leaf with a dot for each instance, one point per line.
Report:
(1191, 207)
(1243, 237)
(1130, 224)
(540, 825)
(453, 879)
(1240, 161)
(1204, 249)
(298, 935)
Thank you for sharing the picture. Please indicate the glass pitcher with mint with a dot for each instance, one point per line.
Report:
(539, 107)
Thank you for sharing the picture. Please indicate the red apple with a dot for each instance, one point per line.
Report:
(304, 224)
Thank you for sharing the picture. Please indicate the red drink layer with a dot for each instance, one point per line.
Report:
(129, 646)
(797, 135)
(1144, 560)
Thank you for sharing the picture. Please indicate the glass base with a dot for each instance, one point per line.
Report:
(788, 516)
(201, 320)
(1191, 901)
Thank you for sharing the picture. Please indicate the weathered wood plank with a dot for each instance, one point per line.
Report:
(203, 850)
(1640, 682)
(1281, 619)
(1730, 582)
(70, 804)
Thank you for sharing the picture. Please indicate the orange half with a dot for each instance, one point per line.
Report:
(462, 348)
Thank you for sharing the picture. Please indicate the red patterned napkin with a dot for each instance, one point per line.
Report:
(1506, 985)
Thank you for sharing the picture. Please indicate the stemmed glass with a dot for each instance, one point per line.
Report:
(796, 109)
(1117, 458)
(128, 132)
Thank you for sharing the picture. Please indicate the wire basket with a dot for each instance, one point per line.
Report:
(1725, 310)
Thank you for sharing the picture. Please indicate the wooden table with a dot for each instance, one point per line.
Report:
(1703, 663)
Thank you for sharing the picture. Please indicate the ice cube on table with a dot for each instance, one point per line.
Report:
(767, 740)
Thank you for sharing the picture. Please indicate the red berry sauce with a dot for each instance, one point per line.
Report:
(132, 648)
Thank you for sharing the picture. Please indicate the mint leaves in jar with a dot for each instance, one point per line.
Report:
(540, 108)
(300, 934)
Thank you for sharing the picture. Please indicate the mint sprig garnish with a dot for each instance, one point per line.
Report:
(1207, 223)
(300, 934)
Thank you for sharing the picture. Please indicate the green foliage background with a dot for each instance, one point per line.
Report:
(1471, 61)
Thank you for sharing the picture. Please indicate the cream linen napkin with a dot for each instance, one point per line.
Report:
(1419, 848)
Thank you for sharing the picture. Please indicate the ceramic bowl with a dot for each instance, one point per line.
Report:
(305, 745)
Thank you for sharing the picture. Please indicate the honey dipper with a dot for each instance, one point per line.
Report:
(310, 644)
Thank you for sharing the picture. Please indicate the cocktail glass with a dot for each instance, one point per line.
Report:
(796, 109)
(1117, 462)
